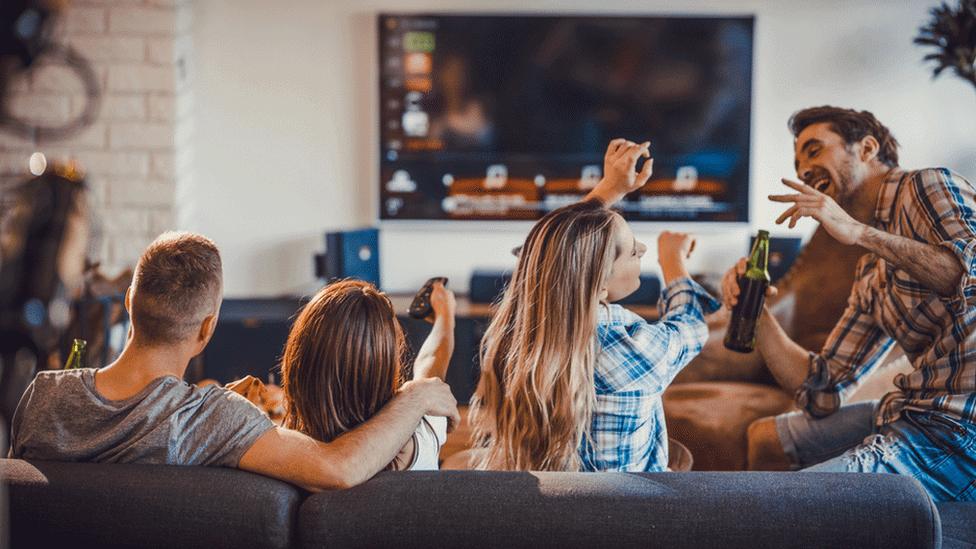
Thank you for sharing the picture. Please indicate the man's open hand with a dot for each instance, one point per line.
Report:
(809, 202)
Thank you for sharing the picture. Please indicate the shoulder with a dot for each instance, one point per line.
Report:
(54, 380)
(215, 395)
(929, 181)
(613, 315)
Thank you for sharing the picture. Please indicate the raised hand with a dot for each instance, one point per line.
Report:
(809, 202)
(620, 175)
(250, 388)
(672, 251)
(442, 302)
(435, 398)
(676, 246)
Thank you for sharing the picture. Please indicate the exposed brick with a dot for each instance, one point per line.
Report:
(13, 163)
(161, 221)
(141, 136)
(55, 78)
(161, 51)
(98, 190)
(41, 108)
(141, 192)
(142, 20)
(115, 163)
(10, 142)
(162, 108)
(164, 165)
(127, 249)
(128, 107)
(110, 48)
(92, 137)
(122, 220)
(85, 20)
(141, 78)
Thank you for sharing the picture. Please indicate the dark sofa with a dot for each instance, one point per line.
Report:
(94, 505)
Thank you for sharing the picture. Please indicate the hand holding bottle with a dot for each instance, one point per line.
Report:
(730, 284)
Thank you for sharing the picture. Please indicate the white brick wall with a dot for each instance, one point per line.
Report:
(138, 150)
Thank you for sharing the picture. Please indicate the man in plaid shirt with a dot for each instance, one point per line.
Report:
(915, 288)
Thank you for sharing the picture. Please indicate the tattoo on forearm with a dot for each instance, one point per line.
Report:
(932, 266)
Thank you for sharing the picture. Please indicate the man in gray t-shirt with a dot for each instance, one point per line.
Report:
(63, 417)
(138, 409)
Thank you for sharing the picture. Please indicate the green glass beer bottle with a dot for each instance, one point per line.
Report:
(741, 336)
(76, 359)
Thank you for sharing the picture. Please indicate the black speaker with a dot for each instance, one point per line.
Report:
(488, 285)
(249, 338)
(782, 254)
(647, 294)
(350, 254)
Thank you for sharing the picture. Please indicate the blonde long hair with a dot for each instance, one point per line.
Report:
(534, 402)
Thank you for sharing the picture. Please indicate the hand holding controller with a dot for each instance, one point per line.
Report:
(421, 307)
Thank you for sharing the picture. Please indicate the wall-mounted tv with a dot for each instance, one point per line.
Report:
(507, 117)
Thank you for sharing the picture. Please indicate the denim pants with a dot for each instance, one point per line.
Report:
(936, 449)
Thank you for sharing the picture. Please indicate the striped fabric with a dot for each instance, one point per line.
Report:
(636, 364)
(888, 307)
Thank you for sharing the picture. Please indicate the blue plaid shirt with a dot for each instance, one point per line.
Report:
(637, 362)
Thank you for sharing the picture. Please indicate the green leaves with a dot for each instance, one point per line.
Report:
(952, 31)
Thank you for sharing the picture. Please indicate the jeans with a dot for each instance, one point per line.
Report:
(936, 449)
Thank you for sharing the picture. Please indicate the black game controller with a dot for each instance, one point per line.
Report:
(420, 306)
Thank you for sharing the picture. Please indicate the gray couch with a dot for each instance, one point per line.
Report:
(96, 505)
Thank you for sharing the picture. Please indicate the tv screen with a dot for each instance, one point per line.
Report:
(508, 117)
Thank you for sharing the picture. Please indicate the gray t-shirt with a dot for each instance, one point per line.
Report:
(62, 417)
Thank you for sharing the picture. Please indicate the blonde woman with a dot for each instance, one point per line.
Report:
(571, 382)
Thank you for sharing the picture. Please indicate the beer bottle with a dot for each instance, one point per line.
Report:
(76, 359)
(741, 336)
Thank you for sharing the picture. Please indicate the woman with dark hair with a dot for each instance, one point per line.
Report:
(344, 360)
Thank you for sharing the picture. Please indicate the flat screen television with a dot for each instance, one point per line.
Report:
(508, 117)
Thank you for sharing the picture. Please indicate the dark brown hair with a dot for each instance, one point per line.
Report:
(852, 126)
(177, 283)
(342, 361)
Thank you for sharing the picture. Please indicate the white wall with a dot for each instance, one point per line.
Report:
(286, 142)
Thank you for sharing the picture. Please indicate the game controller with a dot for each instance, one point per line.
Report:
(420, 306)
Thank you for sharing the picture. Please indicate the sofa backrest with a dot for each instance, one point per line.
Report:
(99, 505)
(478, 509)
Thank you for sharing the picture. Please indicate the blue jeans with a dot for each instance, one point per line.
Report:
(937, 450)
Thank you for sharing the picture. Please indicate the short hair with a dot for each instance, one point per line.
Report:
(852, 126)
(177, 283)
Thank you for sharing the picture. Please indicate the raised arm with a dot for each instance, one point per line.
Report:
(944, 221)
(358, 454)
(434, 356)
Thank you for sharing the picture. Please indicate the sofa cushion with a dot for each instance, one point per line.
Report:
(746, 509)
(711, 418)
(116, 505)
(958, 525)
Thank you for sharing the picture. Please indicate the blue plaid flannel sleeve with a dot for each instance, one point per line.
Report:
(640, 355)
(946, 216)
